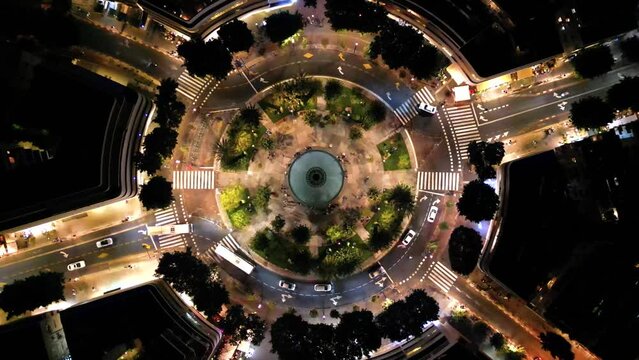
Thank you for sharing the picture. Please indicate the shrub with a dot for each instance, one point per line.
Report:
(356, 133)
(332, 89)
(301, 234)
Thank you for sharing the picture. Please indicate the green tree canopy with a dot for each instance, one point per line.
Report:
(290, 337)
(209, 297)
(278, 223)
(262, 197)
(210, 58)
(332, 89)
(301, 234)
(182, 270)
(236, 36)
(406, 317)
(483, 155)
(233, 196)
(157, 193)
(161, 141)
(591, 112)
(622, 95)
(282, 25)
(31, 293)
(400, 45)
(464, 247)
(478, 201)
(150, 162)
(402, 197)
(356, 15)
(310, 3)
(593, 62)
(556, 345)
(630, 48)
(498, 341)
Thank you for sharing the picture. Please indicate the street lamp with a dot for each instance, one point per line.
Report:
(356, 47)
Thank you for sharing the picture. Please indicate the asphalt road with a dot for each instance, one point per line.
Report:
(127, 241)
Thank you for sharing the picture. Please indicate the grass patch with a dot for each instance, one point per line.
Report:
(290, 98)
(282, 252)
(241, 145)
(237, 203)
(361, 110)
(394, 154)
(342, 258)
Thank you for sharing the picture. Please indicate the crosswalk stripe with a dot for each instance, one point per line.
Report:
(166, 216)
(408, 110)
(194, 179)
(442, 276)
(190, 86)
(171, 241)
(464, 127)
(229, 242)
(445, 181)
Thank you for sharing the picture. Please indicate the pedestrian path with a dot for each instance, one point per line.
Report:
(228, 242)
(442, 276)
(192, 86)
(435, 180)
(171, 241)
(408, 110)
(463, 122)
(166, 216)
(194, 179)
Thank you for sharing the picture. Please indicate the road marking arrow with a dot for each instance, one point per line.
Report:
(334, 300)
(380, 282)
(64, 254)
(285, 296)
(339, 68)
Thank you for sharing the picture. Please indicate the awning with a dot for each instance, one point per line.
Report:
(494, 82)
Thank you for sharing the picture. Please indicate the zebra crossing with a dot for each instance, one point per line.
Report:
(228, 242)
(191, 86)
(442, 276)
(435, 180)
(195, 179)
(168, 216)
(408, 110)
(463, 122)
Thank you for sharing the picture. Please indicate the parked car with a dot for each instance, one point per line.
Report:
(375, 272)
(76, 265)
(287, 285)
(104, 243)
(425, 109)
(408, 238)
(432, 213)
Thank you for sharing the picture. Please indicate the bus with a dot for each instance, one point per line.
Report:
(169, 229)
(230, 256)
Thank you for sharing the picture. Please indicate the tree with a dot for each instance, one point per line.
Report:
(556, 345)
(478, 201)
(356, 15)
(278, 223)
(481, 331)
(591, 112)
(400, 45)
(211, 58)
(622, 96)
(31, 293)
(423, 307)
(355, 133)
(379, 238)
(483, 155)
(250, 116)
(182, 270)
(301, 234)
(157, 193)
(356, 335)
(310, 3)
(497, 341)
(332, 89)
(464, 247)
(377, 111)
(289, 337)
(321, 342)
(236, 36)
(239, 327)
(402, 197)
(334, 314)
(282, 25)
(150, 162)
(406, 317)
(630, 48)
(161, 141)
(593, 62)
(262, 197)
(209, 297)
(233, 196)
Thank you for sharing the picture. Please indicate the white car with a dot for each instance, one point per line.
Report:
(323, 287)
(104, 243)
(375, 272)
(76, 265)
(425, 109)
(432, 213)
(286, 285)
(408, 238)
